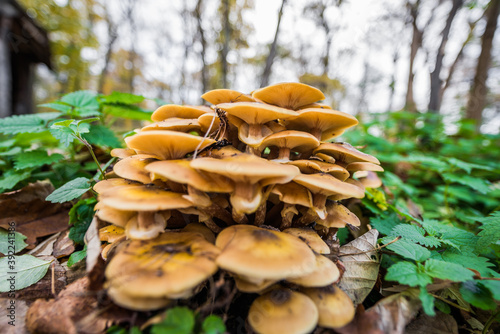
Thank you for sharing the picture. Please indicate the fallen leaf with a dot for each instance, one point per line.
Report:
(46, 247)
(361, 262)
(95, 262)
(440, 324)
(363, 323)
(63, 246)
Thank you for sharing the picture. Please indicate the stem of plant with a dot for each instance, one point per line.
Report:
(489, 322)
(89, 147)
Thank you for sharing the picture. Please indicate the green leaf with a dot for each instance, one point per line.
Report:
(64, 134)
(428, 161)
(408, 273)
(127, 111)
(80, 217)
(12, 151)
(178, 320)
(385, 224)
(477, 294)
(408, 249)
(59, 106)
(490, 231)
(494, 287)
(472, 261)
(467, 166)
(27, 123)
(11, 242)
(102, 136)
(447, 270)
(22, 271)
(84, 102)
(36, 158)
(213, 325)
(416, 234)
(69, 191)
(122, 98)
(474, 183)
(76, 257)
(11, 178)
(427, 301)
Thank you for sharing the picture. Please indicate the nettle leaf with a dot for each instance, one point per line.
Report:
(427, 301)
(416, 234)
(213, 325)
(36, 158)
(408, 249)
(102, 136)
(69, 130)
(84, 102)
(467, 166)
(460, 239)
(385, 224)
(59, 106)
(471, 261)
(69, 191)
(428, 161)
(475, 183)
(26, 123)
(80, 216)
(408, 273)
(179, 320)
(12, 151)
(447, 270)
(64, 134)
(11, 242)
(25, 269)
(11, 178)
(122, 98)
(477, 294)
(490, 231)
(494, 287)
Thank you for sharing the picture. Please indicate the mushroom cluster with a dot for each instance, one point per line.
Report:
(251, 187)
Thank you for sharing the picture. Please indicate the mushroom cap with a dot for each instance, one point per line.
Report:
(256, 113)
(248, 287)
(174, 124)
(143, 198)
(328, 185)
(121, 298)
(331, 123)
(111, 233)
(325, 157)
(174, 110)
(315, 166)
(217, 96)
(291, 95)
(169, 266)
(338, 216)
(283, 311)
(122, 152)
(363, 166)
(133, 168)
(201, 229)
(180, 171)
(311, 238)
(334, 305)
(292, 193)
(326, 273)
(113, 216)
(316, 105)
(296, 140)
(371, 180)
(345, 153)
(208, 121)
(105, 185)
(251, 251)
(167, 144)
(145, 226)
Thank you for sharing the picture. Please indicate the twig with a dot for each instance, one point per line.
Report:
(204, 137)
(448, 302)
(53, 280)
(375, 249)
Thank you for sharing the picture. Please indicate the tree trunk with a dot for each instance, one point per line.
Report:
(201, 34)
(272, 51)
(478, 91)
(112, 35)
(225, 46)
(436, 82)
(5, 69)
(416, 43)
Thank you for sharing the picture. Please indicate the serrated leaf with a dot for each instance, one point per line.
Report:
(122, 98)
(416, 234)
(69, 191)
(11, 242)
(64, 134)
(427, 301)
(84, 102)
(474, 183)
(471, 261)
(127, 111)
(490, 231)
(36, 158)
(12, 151)
(385, 224)
(102, 136)
(27, 123)
(361, 270)
(59, 106)
(477, 294)
(408, 249)
(213, 325)
(447, 270)
(467, 166)
(178, 320)
(408, 273)
(11, 178)
(494, 287)
(25, 270)
(428, 161)
(460, 239)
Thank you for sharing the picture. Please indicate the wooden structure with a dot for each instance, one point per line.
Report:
(23, 43)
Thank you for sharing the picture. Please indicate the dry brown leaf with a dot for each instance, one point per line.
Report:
(440, 324)
(95, 262)
(46, 247)
(63, 246)
(361, 267)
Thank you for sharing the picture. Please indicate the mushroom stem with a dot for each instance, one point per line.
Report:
(239, 218)
(216, 211)
(212, 225)
(319, 202)
(284, 154)
(260, 214)
(316, 132)
(307, 218)
(174, 186)
(199, 198)
(255, 130)
(287, 214)
(273, 214)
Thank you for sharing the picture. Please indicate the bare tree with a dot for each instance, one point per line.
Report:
(478, 91)
(201, 35)
(272, 50)
(225, 45)
(129, 9)
(436, 82)
(112, 36)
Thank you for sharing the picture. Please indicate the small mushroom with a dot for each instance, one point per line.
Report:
(338, 216)
(286, 141)
(346, 153)
(311, 238)
(283, 311)
(326, 273)
(173, 110)
(133, 168)
(122, 152)
(316, 166)
(113, 216)
(369, 180)
(292, 95)
(291, 194)
(217, 96)
(175, 124)
(116, 183)
(248, 287)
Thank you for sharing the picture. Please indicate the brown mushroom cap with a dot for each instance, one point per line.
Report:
(334, 305)
(201, 229)
(133, 168)
(326, 273)
(293, 193)
(370, 180)
(105, 185)
(169, 266)
(290, 140)
(315, 166)
(363, 166)
(174, 124)
(121, 298)
(345, 153)
(217, 96)
(143, 198)
(173, 110)
(328, 185)
(167, 144)
(338, 216)
(113, 216)
(292, 95)
(311, 238)
(246, 286)
(122, 152)
(180, 171)
(260, 254)
(324, 124)
(209, 121)
(283, 311)
(111, 233)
